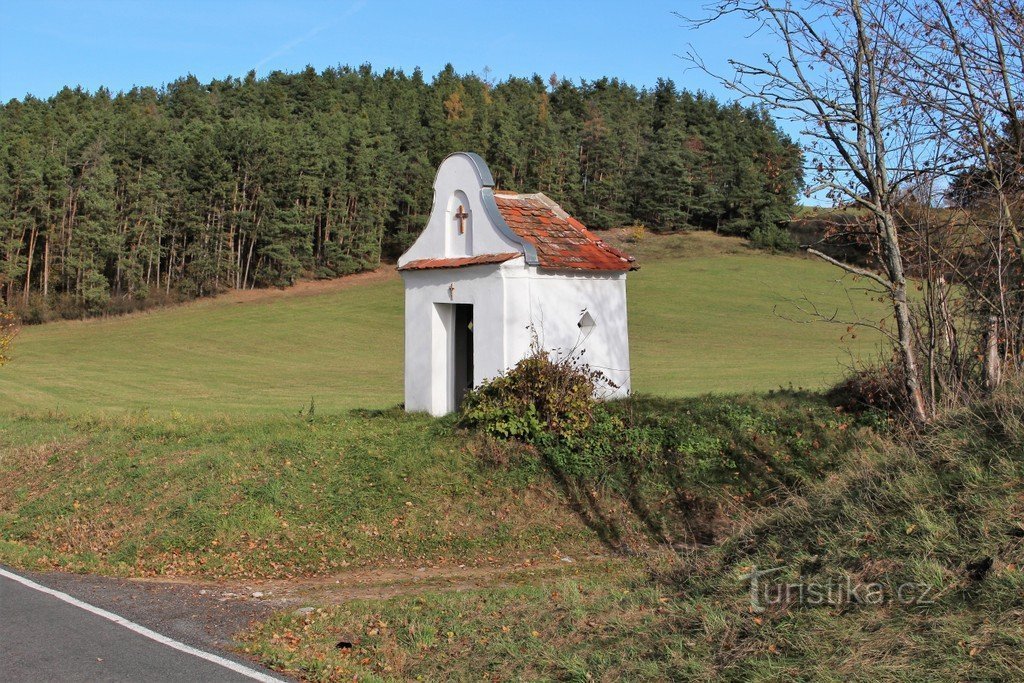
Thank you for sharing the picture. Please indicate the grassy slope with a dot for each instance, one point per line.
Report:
(268, 355)
(701, 320)
(944, 519)
(85, 485)
(280, 496)
(257, 491)
(269, 497)
(717, 323)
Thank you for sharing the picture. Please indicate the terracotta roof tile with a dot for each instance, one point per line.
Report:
(459, 262)
(561, 241)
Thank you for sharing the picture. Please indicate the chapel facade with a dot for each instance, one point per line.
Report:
(494, 274)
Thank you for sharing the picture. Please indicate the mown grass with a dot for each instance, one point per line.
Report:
(732, 323)
(942, 519)
(266, 356)
(704, 315)
(172, 443)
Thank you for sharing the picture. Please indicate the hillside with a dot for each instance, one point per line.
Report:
(702, 318)
(436, 552)
(903, 564)
(191, 188)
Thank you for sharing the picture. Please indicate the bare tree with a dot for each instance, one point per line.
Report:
(833, 75)
(968, 72)
(906, 102)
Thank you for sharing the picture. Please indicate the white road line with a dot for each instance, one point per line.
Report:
(143, 631)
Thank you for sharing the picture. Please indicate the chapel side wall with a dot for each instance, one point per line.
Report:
(427, 347)
(552, 304)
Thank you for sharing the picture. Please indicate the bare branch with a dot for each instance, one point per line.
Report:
(853, 270)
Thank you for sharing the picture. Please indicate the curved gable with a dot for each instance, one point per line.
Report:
(465, 223)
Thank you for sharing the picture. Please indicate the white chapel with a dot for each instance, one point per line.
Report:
(494, 270)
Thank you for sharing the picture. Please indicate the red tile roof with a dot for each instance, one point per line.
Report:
(561, 241)
(458, 262)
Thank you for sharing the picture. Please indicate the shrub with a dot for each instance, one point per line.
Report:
(773, 238)
(636, 233)
(95, 290)
(550, 403)
(66, 306)
(539, 395)
(8, 328)
(33, 311)
(877, 388)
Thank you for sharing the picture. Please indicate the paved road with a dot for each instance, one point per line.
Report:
(44, 638)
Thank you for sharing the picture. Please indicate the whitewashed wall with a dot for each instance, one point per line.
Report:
(552, 303)
(429, 352)
(461, 176)
(510, 300)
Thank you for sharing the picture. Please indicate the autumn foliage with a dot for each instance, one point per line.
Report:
(8, 329)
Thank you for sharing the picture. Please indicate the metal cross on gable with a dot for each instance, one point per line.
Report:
(461, 217)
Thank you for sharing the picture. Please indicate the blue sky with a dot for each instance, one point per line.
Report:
(46, 44)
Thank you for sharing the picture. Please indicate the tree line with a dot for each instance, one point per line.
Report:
(113, 201)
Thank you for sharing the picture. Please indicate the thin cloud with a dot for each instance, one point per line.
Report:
(292, 44)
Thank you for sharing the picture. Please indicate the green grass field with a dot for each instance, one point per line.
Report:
(222, 480)
(702, 319)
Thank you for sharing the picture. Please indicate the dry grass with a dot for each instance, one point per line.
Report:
(942, 515)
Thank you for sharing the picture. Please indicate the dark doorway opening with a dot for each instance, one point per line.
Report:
(463, 352)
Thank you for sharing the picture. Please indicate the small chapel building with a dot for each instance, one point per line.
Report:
(492, 272)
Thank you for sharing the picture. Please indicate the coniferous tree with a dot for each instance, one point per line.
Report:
(109, 202)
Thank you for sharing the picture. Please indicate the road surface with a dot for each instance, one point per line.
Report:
(47, 635)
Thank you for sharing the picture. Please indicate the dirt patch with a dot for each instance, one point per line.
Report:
(376, 583)
(310, 287)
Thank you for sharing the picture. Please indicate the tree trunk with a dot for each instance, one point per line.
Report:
(28, 266)
(949, 332)
(170, 266)
(993, 361)
(46, 266)
(248, 262)
(908, 357)
(904, 327)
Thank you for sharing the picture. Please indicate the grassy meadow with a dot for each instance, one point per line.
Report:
(179, 443)
(706, 315)
(181, 440)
